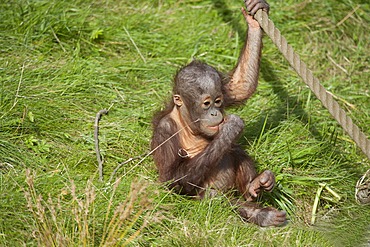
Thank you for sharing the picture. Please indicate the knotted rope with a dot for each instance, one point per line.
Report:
(362, 192)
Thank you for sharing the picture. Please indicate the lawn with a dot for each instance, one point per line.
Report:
(63, 61)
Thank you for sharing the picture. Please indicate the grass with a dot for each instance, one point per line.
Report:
(63, 61)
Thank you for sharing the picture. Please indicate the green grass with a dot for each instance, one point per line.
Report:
(63, 61)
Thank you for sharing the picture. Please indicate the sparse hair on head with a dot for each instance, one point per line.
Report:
(193, 73)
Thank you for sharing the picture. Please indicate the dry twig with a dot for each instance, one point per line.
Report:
(96, 138)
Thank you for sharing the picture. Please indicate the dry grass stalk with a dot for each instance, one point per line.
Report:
(61, 222)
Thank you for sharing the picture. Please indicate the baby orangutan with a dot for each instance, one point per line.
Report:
(195, 141)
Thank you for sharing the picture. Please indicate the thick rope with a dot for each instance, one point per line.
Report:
(313, 83)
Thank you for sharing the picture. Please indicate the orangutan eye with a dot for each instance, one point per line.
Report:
(218, 102)
(206, 104)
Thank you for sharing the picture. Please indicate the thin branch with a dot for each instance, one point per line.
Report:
(336, 64)
(348, 15)
(18, 88)
(16, 92)
(57, 39)
(154, 149)
(133, 42)
(121, 164)
(96, 138)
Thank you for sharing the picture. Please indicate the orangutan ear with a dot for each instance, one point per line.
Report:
(177, 100)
